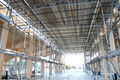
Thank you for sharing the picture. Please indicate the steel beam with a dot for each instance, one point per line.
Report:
(55, 4)
(41, 22)
(70, 11)
(69, 20)
(93, 20)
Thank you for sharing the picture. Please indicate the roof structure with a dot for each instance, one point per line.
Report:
(69, 24)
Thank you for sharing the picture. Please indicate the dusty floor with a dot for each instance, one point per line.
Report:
(70, 75)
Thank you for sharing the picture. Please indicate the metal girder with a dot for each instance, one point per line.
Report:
(48, 36)
(72, 29)
(73, 47)
(100, 14)
(78, 46)
(70, 32)
(79, 24)
(69, 21)
(31, 8)
(56, 4)
(71, 37)
(68, 42)
(11, 53)
(93, 20)
(68, 11)
(73, 44)
(75, 51)
(26, 24)
(114, 52)
(41, 21)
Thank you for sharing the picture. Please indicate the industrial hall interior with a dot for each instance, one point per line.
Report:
(59, 40)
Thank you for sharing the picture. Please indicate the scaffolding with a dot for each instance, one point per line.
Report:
(25, 43)
(32, 31)
(102, 59)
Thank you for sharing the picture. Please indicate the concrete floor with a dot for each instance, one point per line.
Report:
(70, 75)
